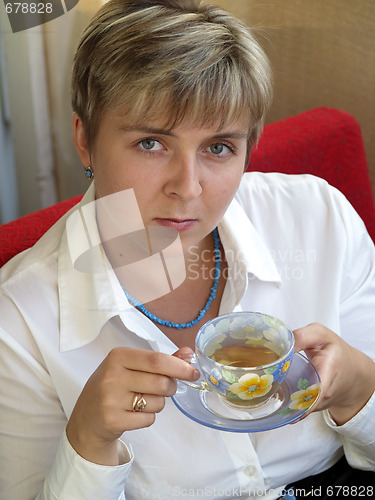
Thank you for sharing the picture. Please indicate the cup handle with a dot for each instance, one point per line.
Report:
(201, 383)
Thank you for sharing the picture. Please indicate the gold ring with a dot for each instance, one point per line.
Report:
(139, 402)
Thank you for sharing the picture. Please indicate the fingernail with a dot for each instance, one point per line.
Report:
(187, 356)
(196, 375)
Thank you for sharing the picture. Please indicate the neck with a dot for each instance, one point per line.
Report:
(195, 277)
(199, 257)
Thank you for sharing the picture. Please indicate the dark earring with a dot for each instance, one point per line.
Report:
(89, 172)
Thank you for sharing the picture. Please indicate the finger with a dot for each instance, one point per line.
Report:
(313, 336)
(149, 383)
(328, 373)
(185, 353)
(318, 342)
(146, 417)
(136, 420)
(153, 404)
(153, 362)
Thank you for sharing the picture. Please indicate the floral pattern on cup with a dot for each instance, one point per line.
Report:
(251, 386)
(215, 378)
(279, 371)
(301, 400)
(215, 346)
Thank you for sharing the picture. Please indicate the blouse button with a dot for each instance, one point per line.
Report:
(250, 470)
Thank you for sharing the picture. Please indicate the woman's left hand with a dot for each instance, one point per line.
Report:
(347, 374)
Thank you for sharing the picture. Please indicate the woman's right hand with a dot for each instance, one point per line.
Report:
(104, 409)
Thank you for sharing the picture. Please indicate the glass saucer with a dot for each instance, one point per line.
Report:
(295, 397)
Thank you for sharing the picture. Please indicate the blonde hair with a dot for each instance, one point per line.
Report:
(178, 59)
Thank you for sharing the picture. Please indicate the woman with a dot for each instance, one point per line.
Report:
(169, 97)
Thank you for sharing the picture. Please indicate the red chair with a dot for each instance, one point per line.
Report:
(323, 142)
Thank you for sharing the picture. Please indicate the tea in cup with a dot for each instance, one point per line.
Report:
(243, 357)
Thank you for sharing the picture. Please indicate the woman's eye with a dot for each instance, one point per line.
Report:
(150, 145)
(219, 149)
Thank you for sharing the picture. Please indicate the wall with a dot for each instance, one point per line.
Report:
(29, 119)
(61, 40)
(37, 66)
(322, 53)
(8, 183)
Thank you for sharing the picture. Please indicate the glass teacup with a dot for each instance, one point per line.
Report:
(243, 357)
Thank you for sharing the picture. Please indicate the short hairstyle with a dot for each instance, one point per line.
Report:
(181, 60)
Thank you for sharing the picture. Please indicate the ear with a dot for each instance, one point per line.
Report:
(79, 138)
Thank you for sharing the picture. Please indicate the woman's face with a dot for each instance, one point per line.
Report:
(183, 179)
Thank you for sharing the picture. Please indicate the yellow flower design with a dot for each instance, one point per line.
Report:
(301, 400)
(252, 386)
(286, 366)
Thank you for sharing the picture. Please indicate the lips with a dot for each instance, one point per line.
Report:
(176, 224)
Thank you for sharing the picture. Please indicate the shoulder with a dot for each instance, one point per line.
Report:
(302, 205)
(285, 185)
(300, 194)
(34, 258)
(43, 255)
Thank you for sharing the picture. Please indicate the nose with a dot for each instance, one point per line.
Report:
(184, 177)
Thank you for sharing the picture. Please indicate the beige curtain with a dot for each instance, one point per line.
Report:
(322, 53)
(60, 40)
(36, 68)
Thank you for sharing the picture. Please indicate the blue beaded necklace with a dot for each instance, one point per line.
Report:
(201, 314)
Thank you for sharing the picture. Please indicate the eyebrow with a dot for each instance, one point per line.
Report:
(151, 130)
(233, 135)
